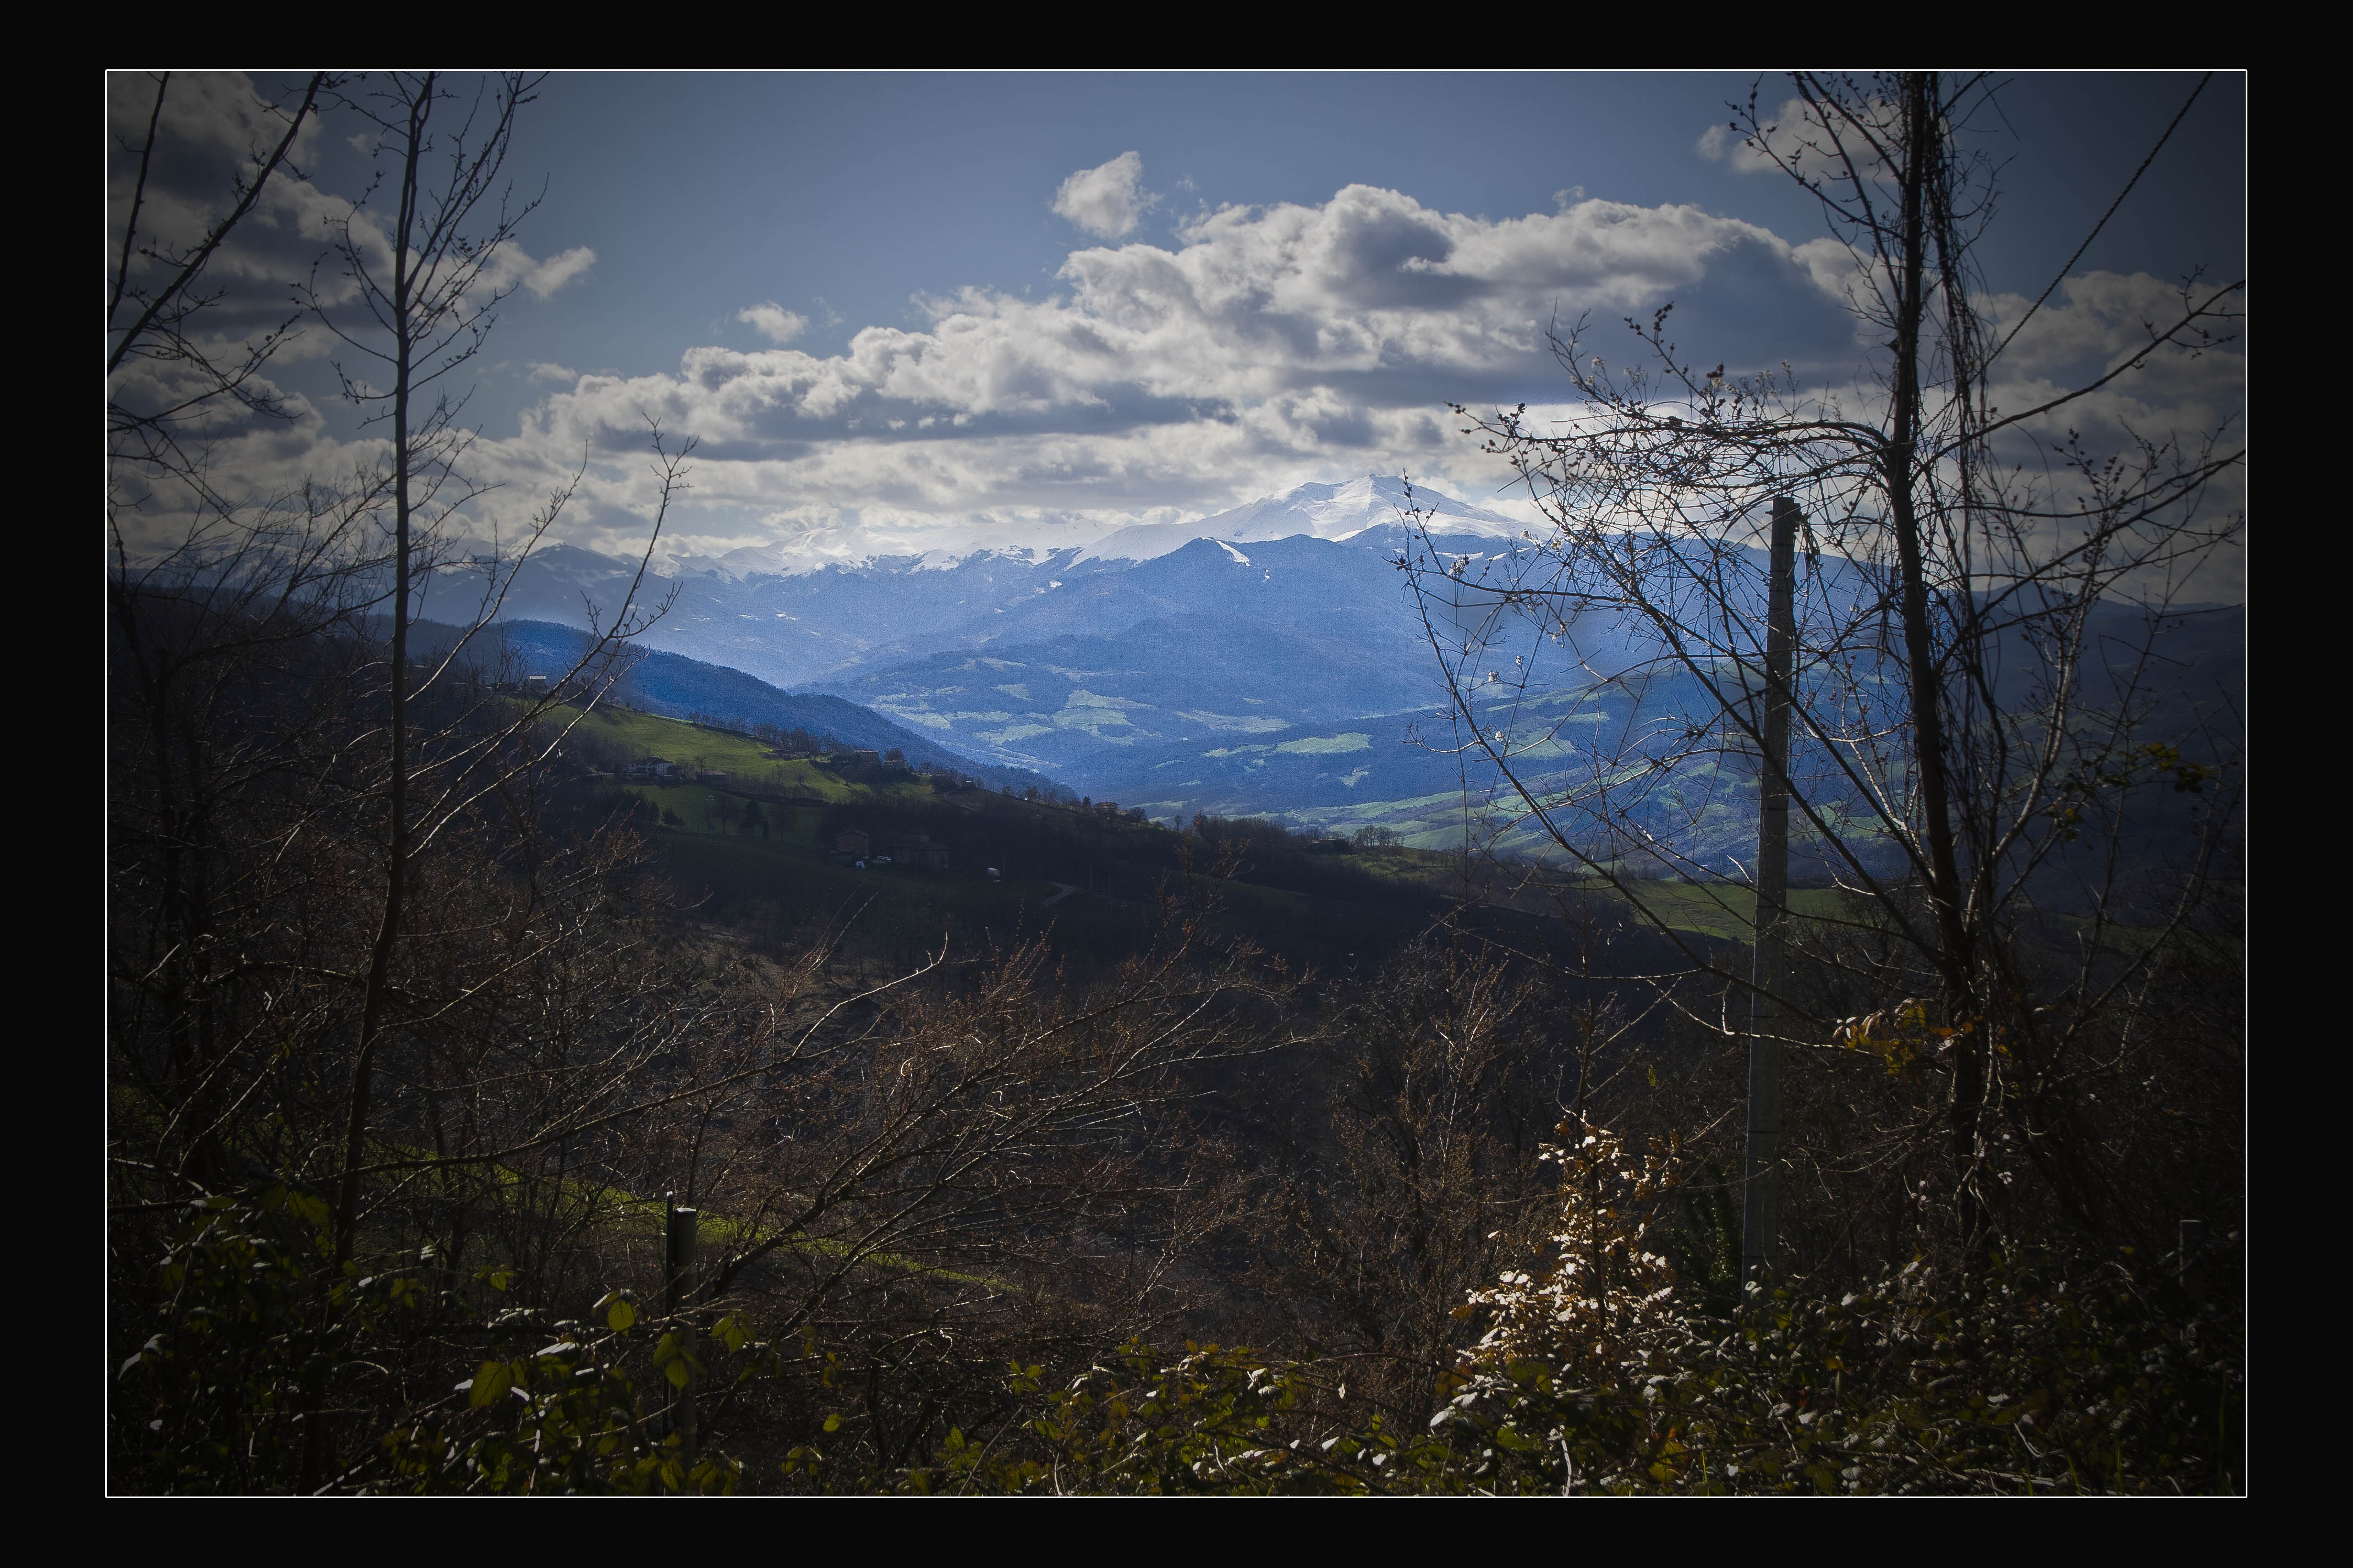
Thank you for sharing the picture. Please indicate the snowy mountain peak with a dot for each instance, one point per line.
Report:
(818, 550)
(1335, 512)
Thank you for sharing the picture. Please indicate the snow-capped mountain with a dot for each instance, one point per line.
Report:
(833, 613)
(1270, 659)
(1339, 512)
(1228, 633)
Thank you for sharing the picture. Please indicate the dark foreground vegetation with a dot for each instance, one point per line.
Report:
(976, 1213)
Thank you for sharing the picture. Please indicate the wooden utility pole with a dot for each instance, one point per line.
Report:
(1760, 1225)
(678, 1285)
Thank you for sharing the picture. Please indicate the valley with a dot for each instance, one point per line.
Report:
(1268, 661)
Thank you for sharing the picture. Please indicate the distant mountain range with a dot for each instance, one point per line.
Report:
(1285, 612)
(1268, 660)
(792, 624)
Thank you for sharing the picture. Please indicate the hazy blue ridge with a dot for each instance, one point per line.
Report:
(674, 686)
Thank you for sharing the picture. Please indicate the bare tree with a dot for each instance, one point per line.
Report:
(208, 585)
(922, 1177)
(411, 293)
(1993, 732)
(1416, 1174)
(283, 759)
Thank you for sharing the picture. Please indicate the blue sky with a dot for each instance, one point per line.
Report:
(699, 192)
(1265, 279)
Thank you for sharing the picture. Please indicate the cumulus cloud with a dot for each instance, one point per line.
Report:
(544, 277)
(1799, 136)
(1369, 299)
(213, 129)
(2095, 321)
(1264, 347)
(1254, 349)
(773, 321)
(215, 126)
(204, 113)
(1106, 200)
(2097, 324)
(509, 267)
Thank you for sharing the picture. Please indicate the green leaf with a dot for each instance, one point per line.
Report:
(619, 1316)
(490, 1380)
(833, 1423)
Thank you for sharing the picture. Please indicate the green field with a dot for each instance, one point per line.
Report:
(692, 747)
(706, 811)
(1727, 909)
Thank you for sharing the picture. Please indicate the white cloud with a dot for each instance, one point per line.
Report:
(1798, 134)
(1256, 349)
(1838, 269)
(215, 124)
(544, 277)
(773, 321)
(217, 113)
(2098, 320)
(1106, 200)
(1265, 347)
(512, 267)
(1257, 301)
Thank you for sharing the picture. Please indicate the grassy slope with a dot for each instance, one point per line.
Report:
(1726, 909)
(693, 746)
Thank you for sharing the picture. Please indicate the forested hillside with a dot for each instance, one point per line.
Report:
(1138, 1089)
(752, 837)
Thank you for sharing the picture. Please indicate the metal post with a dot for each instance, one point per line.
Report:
(1761, 1177)
(678, 1285)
